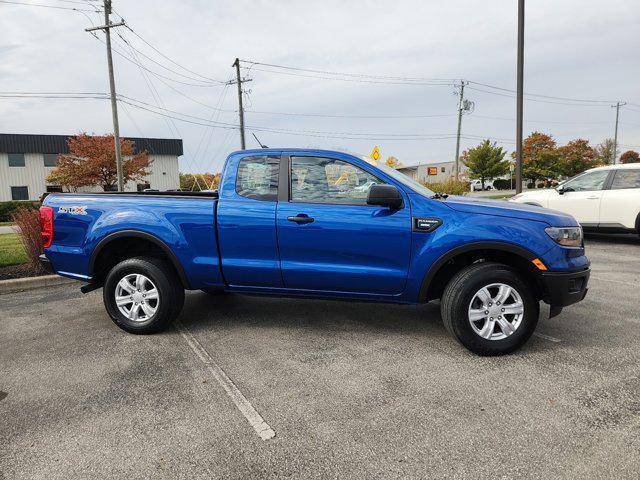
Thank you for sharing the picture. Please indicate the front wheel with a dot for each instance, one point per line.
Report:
(490, 309)
(142, 295)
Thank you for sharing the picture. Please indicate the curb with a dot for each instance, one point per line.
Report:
(29, 283)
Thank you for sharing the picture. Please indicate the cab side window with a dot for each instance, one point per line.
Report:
(257, 178)
(330, 181)
(626, 179)
(587, 181)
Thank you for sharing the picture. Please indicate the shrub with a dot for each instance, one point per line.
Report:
(7, 209)
(451, 186)
(502, 184)
(28, 220)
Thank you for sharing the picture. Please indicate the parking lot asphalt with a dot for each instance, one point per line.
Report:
(351, 390)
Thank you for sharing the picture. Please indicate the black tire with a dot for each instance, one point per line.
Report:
(169, 290)
(457, 298)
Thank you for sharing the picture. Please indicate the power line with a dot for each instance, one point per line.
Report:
(57, 7)
(129, 59)
(355, 75)
(158, 63)
(357, 80)
(168, 58)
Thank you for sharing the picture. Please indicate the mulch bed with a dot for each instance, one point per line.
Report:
(19, 271)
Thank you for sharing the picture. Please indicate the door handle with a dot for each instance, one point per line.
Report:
(592, 198)
(300, 219)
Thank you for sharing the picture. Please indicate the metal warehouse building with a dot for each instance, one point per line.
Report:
(432, 172)
(26, 160)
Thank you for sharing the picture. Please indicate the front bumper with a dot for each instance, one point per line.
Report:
(564, 288)
(46, 264)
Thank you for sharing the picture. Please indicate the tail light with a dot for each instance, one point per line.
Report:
(46, 225)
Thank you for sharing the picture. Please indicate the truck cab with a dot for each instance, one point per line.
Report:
(319, 223)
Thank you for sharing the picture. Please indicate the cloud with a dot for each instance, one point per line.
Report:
(573, 49)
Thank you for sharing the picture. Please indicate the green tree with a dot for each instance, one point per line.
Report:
(539, 157)
(196, 182)
(486, 161)
(630, 156)
(604, 151)
(576, 157)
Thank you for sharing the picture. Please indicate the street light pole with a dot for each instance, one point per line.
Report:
(519, 96)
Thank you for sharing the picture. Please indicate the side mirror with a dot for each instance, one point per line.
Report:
(385, 196)
(562, 190)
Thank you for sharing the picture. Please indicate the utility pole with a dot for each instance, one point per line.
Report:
(463, 106)
(456, 170)
(615, 136)
(112, 86)
(239, 81)
(519, 96)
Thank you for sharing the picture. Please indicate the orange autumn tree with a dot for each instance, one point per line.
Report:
(92, 161)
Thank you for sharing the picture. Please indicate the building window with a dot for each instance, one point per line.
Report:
(143, 186)
(50, 159)
(16, 159)
(443, 169)
(54, 189)
(19, 193)
(112, 188)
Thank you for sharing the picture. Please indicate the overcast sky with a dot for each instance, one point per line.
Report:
(582, 49)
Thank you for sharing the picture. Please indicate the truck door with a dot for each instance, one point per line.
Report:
(246, 220)
(331, 240)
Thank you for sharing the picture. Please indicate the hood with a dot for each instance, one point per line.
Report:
(509, 209)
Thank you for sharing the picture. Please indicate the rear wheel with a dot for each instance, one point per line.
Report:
(489, 309)
(143, 295)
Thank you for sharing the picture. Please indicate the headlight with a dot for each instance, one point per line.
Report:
(566, 236)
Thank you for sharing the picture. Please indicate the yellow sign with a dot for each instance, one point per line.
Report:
(375, 153)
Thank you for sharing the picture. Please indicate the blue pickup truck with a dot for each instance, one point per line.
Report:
(316, 223)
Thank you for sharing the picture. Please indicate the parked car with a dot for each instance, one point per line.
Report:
(603, 199)
(280, 225)
(476, 185)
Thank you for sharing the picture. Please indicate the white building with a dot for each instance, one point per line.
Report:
(26, 160)
(432, 172)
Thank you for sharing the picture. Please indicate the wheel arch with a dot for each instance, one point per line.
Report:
(123, 238)
(451, 262)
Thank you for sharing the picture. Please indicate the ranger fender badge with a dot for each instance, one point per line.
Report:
(76, 210)
(426, 224)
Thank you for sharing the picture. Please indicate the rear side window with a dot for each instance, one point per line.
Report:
(626, 179)
(258, 178)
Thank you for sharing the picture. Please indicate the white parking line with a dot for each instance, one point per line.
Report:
(261, 427)
(547, 337)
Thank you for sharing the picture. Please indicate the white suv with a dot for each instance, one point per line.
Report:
(603, 199)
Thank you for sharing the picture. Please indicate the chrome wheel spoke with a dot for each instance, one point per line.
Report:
(487, 329)
(504, 292)
(148, 311)
(484, 296)
(506, 327)
(123, 300)
(514, 308)
(151, 294)
(477, 314)
(133, 313)
(126, 286)
(140, 282)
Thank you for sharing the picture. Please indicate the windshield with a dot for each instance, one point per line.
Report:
(401, 177)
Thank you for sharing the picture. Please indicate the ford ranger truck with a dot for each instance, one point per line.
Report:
(316, 223)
